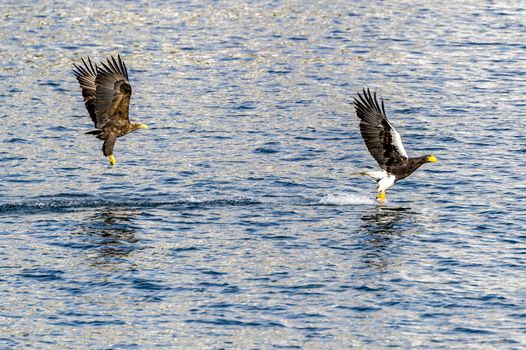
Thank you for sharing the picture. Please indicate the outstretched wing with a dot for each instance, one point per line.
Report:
(113, 93)
(382, 140)
(86, 75)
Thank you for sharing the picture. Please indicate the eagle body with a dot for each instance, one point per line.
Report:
(385, 144)
(107, 92)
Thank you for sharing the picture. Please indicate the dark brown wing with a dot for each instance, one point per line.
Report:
(113, 93)
(382, 140)
(86, 76)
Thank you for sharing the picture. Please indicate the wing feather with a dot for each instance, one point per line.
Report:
(86, 75)
(113, 93)
(382, 140)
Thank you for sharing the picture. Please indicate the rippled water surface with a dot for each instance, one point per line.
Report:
(234, 222)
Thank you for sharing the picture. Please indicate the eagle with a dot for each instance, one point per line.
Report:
(107, 91)
(385, 144)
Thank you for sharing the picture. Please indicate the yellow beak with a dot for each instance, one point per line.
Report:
(432, 159)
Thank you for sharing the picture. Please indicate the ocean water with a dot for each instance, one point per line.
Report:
(234, 221)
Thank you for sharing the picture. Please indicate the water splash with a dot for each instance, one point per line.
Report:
(346, 199)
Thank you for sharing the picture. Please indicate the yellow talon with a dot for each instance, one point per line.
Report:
(432, 159)
(381, 196)
(112, 159)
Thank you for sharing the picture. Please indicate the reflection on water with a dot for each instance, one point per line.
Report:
(381, 228)
(112, 234)
(383, 221)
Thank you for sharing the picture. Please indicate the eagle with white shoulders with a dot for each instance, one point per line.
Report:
(385, 144)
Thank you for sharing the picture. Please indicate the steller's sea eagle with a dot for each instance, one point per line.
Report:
(385, 144)
(107, 91)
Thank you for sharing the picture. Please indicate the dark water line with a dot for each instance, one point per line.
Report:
(61, 205)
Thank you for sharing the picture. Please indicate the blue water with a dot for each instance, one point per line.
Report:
(233, 222)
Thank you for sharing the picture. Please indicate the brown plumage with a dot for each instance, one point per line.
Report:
(384, 143)
(107, 92)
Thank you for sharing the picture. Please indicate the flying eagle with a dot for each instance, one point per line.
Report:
(385, 144)
(107, 91)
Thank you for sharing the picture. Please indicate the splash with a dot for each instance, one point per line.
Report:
(346, 199)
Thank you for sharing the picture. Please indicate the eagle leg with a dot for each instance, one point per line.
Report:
(381, 196)
(112, 159)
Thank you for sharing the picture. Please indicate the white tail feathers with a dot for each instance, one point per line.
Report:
(383, 179)
(375, 174)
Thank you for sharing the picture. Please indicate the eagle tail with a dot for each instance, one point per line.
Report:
(375, 174)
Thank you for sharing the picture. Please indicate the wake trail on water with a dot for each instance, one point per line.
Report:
(60, 204)
(66, 205)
